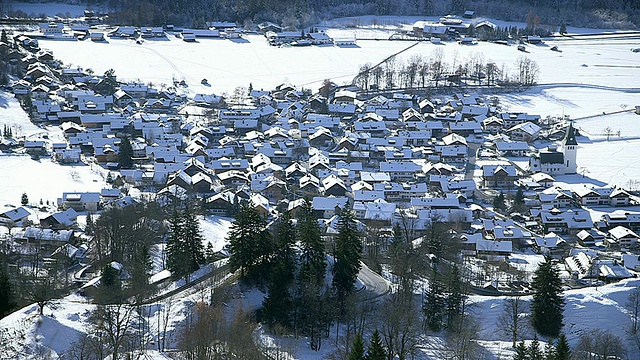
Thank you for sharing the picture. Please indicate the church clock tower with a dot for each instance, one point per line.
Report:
(569, 149)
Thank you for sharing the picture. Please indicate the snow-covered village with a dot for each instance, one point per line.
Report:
(371, 187)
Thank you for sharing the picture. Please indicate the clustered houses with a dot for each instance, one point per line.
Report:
(391, 158)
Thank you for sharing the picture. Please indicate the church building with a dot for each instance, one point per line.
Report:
(557, 161)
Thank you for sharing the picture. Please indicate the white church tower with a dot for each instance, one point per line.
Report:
(569, 149)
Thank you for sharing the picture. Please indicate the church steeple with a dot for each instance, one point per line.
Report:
(570, 136)
(569, 149)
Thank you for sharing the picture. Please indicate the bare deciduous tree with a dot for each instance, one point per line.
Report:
(513, 321)
(596, 344)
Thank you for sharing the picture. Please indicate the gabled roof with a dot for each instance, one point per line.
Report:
(16, 214)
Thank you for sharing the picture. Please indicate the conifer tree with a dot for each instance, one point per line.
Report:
(125, 154)
(357, 348)
(547, 305)
(498, 202)
(285, 239)
(192, 238)
(434, 304)
(247, 241)
(176, 256)
(24, 199)
(518, 201)
(454, 296)
(277, 305)
(312, 253)
(7, 296)
(348, 254)
(533, 351)
(185, 251)
(521, 351)
(376, 351)
(549, 352)
(563, 351)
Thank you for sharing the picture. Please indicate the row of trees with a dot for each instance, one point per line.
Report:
(299, 14)
(433, 71)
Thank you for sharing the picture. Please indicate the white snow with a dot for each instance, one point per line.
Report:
(214, 229)
(43, 179)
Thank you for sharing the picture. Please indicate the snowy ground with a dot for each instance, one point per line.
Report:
(214, 230)
(589, 308)
(44, 179)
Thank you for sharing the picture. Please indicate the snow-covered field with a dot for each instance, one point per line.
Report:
(43, 179)
(227, 64)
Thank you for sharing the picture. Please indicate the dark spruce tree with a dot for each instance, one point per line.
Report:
(498, 202)
(312, 253)
(563, 351)
(176, 254)
(518, 201)
(7, 296)
(125, 154)
(547, 305)
(347, 257)
(193, 240)
(357, 348)
(278, 304)
(249, 244)
(521, 352)
(185, 251)
(434, 306)
(376, 351)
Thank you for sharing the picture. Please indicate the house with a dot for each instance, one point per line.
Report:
(549, 243)
(542, 179)
(49, 239)
(96, 36)
(514, 148)
(493, 248)
(570, 221)
(622, 237)
(499, 176)
(87, 201)
(14, 216)
(627, 219)
(221, 203)
(326, 207)
(60, 220)
(526, 132)
(332, 185)
(631, 261)
(597, 196)
(589, 237)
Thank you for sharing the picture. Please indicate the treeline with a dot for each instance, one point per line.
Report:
(303, 13)
(421, 71)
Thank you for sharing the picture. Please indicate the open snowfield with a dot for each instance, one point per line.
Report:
(214, 230)
(43, 179)
(227, 64)
(589, 308)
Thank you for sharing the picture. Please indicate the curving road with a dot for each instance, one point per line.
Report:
(374, 285)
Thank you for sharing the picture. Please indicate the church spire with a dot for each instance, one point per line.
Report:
(570, 136)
